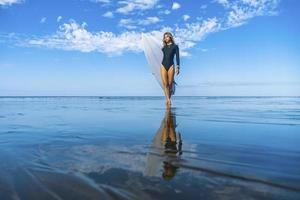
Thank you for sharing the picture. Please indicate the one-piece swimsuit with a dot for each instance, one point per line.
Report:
(169, 52)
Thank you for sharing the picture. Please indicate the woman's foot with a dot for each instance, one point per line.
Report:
(168, 102)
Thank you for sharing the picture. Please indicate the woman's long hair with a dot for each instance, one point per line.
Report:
(170, 35)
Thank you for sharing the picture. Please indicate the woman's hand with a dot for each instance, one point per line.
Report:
(177, 69)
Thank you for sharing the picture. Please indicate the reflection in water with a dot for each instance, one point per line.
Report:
(84, 148)
(165, 149)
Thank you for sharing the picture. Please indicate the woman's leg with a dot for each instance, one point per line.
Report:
(171, 73)
(164, 77)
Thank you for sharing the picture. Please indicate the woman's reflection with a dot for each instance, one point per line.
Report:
(165, 148)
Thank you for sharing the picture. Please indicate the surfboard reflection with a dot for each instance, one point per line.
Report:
(165, 149)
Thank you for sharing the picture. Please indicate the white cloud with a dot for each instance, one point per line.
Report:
(132, 24)
(175, 6)
(132, 5)
(59, 18)
(108, 14)
(43, 20)
(149, 20)
(192, 33)
(159, 6)
(9, 2)
(254, 3)
(241, 11)
(222, 2)
(101, 1)
(167, 12)
(185, 17)
(73, 36)
(127, 23)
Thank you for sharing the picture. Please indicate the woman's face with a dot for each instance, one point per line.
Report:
(167, 38)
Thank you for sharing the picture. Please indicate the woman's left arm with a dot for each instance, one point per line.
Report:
(177, 56)
(177, 60)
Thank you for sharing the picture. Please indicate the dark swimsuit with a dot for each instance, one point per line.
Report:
(169, 52)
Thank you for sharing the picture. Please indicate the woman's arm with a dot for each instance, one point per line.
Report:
(177, 60)
(177, 56)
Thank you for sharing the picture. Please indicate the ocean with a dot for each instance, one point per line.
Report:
(93, 147)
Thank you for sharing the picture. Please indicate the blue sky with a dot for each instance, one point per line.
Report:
(92, 47)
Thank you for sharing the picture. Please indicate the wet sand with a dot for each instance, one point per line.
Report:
(135, 148)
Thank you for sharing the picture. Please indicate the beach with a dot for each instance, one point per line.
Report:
(93, 147)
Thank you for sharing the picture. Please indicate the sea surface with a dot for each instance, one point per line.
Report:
(135, 148)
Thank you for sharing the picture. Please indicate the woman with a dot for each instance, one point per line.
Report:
(160, 60)
(170, 49)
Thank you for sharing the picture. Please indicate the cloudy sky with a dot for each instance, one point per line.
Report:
(92, 47)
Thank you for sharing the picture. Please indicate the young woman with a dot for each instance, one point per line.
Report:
(160, 59)
(170, 49)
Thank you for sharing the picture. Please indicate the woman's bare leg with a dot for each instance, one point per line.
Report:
(164, 77)
(171, 73)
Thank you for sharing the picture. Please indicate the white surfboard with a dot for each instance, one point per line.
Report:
(154, 55)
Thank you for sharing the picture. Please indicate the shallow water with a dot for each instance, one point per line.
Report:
(135, 148)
